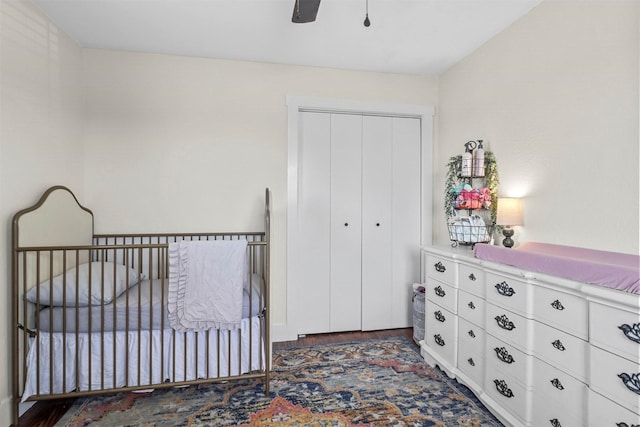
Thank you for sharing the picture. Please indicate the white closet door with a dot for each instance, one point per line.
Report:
(406, 217)
(377, 185)
(314, 197)
(346, 149)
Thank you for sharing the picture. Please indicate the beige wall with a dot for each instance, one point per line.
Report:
(556, 96)
(164, 143)
(41, 120)
(189, 144)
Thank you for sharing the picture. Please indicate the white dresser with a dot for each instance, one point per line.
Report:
(537, 350)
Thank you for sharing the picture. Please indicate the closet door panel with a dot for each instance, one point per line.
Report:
(314, 196)
(377, 175)
(406, 217)
(346, 149)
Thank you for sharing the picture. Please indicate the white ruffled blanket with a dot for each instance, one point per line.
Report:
(205, 284)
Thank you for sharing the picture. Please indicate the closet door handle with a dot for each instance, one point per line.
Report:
(346, 224)
(377, 224)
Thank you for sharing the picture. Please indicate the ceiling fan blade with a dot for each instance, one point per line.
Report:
(305, 11)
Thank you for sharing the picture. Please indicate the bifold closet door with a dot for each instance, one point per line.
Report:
(377, 175)
(329, 222)
(358, 234)
(314, 228)
(390, 220)
(346, 223)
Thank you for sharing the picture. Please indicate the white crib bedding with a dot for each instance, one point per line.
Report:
(163, 356)
(147, 309)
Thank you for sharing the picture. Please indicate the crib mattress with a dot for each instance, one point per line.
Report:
(610, 269)
(147, 309)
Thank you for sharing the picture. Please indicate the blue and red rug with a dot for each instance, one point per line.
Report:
(367, 383)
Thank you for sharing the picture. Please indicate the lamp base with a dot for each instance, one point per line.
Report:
(507, 232)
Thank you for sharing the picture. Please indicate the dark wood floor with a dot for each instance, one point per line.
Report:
(47, 413)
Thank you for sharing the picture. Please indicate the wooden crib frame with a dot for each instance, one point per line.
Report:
(57, 233)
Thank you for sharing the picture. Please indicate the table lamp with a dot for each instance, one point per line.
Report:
(509, 214)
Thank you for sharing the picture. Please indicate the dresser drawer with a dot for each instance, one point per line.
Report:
(508, 360)
(508, 292)
(442, 294)
(471, 307)
(553, 414)
(615, 330)
(561, 350)
(441, 268)
(509, 394)
(471, 351)
(557, 395)
(441, 335)
(508, 327)
(614, 377)
(561, 310)
(472, 279)
(604, 413)
(471, 336)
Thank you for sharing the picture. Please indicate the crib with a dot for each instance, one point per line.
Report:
(89, 311)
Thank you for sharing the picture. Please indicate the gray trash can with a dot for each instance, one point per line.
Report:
(418, 313)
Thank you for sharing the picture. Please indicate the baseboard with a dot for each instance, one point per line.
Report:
(283, 332)
(6, 411)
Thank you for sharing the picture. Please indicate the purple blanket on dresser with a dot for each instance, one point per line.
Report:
(610, 269)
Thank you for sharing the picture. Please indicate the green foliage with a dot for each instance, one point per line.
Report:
(491, 181)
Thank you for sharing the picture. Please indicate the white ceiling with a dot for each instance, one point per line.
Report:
(405, 36)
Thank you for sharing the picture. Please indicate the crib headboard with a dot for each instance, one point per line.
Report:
(57, 219)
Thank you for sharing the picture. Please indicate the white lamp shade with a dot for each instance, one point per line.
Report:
(509, 211)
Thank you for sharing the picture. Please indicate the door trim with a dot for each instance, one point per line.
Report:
(295, 105)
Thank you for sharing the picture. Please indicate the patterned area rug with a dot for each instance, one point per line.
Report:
(361, 384)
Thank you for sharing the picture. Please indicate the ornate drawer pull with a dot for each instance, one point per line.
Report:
(504, 355)
(505, 323)
(557, 305)
(631, 332)
(557, 384)
(471, 334)
(439, 291)
(439, 316)
(627, 425)
(439, 267)
(555, 423)
(504, 289)
(558, 344)
(438, 339)
(471, 305)
(472, 277)
(632, 382)
(503, 388)
(471, 362)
